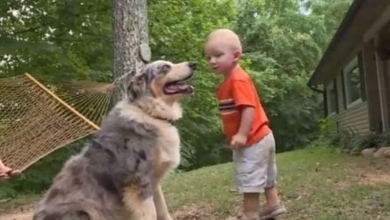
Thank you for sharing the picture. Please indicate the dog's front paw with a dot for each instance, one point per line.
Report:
(166, 217)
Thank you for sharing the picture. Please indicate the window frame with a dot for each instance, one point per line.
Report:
(347, 90)
(331, 112)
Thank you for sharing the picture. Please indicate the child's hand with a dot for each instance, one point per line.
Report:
(238, 140)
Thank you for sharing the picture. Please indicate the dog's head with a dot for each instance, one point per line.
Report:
(163, 80)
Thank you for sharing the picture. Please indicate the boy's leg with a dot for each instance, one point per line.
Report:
(251, 167)
(251, 205)
(272, 210)
(274, 205)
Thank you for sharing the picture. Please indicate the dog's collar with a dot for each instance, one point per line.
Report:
(170, 121)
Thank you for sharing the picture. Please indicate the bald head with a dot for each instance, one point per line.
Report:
(223, 50)
(225, 37)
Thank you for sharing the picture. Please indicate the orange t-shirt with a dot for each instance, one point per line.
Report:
(234, 93)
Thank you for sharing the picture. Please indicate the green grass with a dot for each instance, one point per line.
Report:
(314, 183)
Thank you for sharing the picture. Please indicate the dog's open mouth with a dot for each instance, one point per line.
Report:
(177, 87)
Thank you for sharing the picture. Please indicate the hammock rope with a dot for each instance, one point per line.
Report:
(39, 117)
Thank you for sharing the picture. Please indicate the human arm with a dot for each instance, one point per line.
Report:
(6, 172)
(247, 116)
(244, 97)
(240, 139)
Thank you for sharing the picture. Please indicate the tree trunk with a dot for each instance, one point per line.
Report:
(130, 27)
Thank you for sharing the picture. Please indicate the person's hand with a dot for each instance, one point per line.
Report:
(238, 141)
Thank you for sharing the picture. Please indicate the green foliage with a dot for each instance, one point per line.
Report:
(328, 132)
(64, 38)
(282, 48)
(38, 177)
(73, 40)
(347, 140)
(351, 142)
(200, 129)
(376, 140)
(292, 114)
(327, 126)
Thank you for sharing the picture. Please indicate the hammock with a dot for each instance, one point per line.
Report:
(37, 118)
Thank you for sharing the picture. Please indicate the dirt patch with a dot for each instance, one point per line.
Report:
(19, 216)
(342, 185)
(376, 178)
(194, 212)
(16, 210)
(374, 172)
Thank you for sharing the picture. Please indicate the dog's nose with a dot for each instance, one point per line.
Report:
(192, 65)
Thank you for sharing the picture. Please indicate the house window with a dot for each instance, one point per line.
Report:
(331, 97)
(352, 80)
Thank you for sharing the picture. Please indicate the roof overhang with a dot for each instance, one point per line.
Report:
(348, 39)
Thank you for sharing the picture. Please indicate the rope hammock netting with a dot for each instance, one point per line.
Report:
(39, 117)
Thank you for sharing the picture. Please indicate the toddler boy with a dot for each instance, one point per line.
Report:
(246, 127)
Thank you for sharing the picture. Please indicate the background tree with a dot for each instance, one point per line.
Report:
(131, 40)
(283, 42)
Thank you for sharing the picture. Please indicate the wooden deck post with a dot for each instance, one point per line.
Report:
(372, 87)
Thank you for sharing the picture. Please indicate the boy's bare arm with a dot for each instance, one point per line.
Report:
(247, 116)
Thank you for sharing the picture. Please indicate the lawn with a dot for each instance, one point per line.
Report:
(315, 184)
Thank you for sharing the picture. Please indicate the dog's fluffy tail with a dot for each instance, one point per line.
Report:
(62, 213)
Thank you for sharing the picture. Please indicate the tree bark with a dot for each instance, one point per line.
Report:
(130, 28)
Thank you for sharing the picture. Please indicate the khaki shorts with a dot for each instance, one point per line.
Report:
(255, 166)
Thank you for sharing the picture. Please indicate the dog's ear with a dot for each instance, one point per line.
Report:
(136, 88)
(165, 68)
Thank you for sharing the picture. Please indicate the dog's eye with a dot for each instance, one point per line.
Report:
(165, 68)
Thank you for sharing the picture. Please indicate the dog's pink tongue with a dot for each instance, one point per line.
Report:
(182, 87)
(172, 88)
(176, 88)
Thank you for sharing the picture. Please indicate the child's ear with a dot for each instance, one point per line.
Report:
(236, 55)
